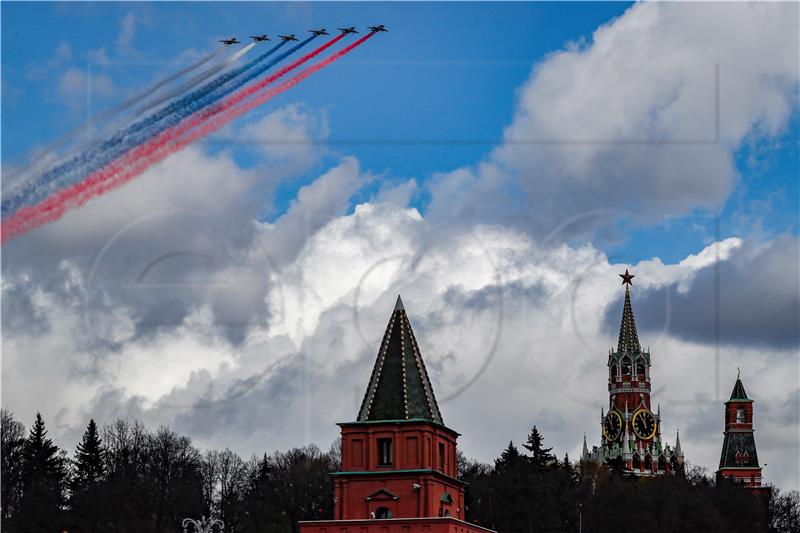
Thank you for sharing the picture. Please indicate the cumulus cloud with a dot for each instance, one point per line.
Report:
(169, 300)
(38, 71)
(127, 32)
(751, 299)
(485, 303)
(629, 123)
(290, 139)
(77, 87)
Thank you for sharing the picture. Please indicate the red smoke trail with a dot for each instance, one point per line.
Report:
(168, 142)
(27, 216)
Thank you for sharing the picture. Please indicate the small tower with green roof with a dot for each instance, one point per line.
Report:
(739, 458)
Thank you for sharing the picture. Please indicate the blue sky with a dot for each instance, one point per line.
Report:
(452, 71)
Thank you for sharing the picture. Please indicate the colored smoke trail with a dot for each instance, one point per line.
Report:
(128, 103)
(203, 76)
(27, 169)
(137, 133)
(244, 93)
(147, 155)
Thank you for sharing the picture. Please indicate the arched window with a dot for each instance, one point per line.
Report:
(636, 462)
(740, 418)
(626, 367)
(662, 463)
(640, 371)
(648, 463)
(382, 513)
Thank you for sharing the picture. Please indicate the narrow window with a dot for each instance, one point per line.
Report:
(384, 452)
(740, 416)
(383, 513)
(441, 457)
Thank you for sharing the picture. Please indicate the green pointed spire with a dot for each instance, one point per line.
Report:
(628, 337)
(738, 392)
(399, 388)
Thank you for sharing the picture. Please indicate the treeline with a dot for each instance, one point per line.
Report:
(125, 478)
(531, 491)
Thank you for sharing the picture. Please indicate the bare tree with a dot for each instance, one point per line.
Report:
(12, 440)
(784, 512)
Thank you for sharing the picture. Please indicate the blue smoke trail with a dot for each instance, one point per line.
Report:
(203, 76)
(107, 151)
(74, 132)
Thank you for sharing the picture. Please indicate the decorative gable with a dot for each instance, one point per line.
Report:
(381, 495)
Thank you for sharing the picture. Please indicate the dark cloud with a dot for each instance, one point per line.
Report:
(757, 292)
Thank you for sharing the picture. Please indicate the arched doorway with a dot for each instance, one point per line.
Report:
(382, 513)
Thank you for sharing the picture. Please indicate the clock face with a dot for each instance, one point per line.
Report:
(612, 426)
(644, 424)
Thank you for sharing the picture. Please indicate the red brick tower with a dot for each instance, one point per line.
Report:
(399, 467)
(739, 460)
(631, 431)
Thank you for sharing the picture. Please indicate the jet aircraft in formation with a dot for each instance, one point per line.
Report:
(293, 37)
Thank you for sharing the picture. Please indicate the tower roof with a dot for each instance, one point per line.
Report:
(628, 337)
(399, 388)
(738, 392)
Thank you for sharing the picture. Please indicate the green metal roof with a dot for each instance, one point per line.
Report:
(738, 392)
(628, 336)
(741, 443)
(399, 387)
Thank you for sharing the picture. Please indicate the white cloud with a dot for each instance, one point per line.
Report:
(628, 124)
(127, 32)
(293, 133)
(61, 55)
(80, 88)
(176, 305)
(305, 366)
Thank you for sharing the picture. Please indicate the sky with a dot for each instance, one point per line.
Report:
(496, 164)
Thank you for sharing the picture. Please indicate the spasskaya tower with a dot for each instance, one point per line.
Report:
(630, 438)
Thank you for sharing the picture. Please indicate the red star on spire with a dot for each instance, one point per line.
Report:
(626, 278)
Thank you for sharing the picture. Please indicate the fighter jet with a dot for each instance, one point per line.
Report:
(260, 38)
(228, 42)
(351, 29)
(320, 31)
(376, 29)
(289, 37)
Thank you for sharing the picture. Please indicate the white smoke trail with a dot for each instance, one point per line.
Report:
(16, 176)
(194, 81)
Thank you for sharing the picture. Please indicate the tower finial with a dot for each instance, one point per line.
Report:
(738, 373)
(627, 278)
(398, 306)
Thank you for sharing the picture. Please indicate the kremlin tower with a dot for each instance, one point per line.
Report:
(399, 466)
(739, 460)
(630, 439)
